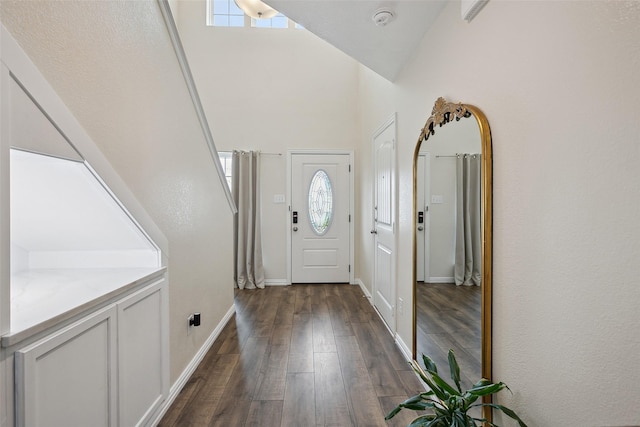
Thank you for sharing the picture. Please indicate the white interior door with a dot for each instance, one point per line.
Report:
(320, 218)
(384, 288)
(422, 216)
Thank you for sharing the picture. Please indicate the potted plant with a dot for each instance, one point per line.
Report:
(450, 405)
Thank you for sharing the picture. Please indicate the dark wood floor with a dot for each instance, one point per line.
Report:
(448, 317)
(301, 355)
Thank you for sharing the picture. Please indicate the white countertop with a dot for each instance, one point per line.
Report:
(40, 299)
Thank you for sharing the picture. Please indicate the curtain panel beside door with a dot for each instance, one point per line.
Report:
(245, 183)
(468, 256)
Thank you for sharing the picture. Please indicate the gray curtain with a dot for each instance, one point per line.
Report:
(249, 271)
(468, 263)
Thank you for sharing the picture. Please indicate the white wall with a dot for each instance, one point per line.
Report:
(113, 65)
(271, 90)
(558, 83)
(375, 106)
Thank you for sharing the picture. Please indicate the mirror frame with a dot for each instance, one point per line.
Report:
(444, 112)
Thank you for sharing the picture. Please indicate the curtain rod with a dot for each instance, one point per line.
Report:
(256, 151)
(456, 155)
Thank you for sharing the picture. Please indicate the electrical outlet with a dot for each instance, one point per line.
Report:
(192, 320)
(196, 319)
(190, 325)
(400, 306)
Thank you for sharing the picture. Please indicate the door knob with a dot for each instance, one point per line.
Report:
(295, 228)
(420, 228)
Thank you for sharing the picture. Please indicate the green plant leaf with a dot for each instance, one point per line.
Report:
(486, 389)
(454, 369)
(484, 420)
(469, 398)
(450, 406)
(437, 391)
(506, 411)
(424, 421)
(419, 406)
(458, 419)
(444, 385)
(481, 382)
(429, 364)
(422, 374)
(418, 402)
(393, 412)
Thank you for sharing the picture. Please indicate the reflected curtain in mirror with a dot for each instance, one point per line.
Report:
(468, 261)
(248, 267)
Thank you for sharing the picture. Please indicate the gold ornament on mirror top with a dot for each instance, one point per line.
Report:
(443, 112)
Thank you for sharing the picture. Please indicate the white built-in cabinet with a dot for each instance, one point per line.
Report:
(143, 354)
(84, 328)
(68, 378)
(106, 369)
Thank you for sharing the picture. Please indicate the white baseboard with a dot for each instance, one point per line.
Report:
(191, 367)
(441, 280)
(404, 348)
(276, 282)
(365, 291)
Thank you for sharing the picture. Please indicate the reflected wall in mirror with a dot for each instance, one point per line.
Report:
(452, 229)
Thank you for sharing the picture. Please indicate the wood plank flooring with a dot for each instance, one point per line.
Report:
(298, 356)
(448, 316)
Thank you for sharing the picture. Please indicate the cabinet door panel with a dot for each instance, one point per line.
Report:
(66, 379)
(143, 354)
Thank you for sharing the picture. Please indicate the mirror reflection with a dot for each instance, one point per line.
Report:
(449, 247)
(452, 201)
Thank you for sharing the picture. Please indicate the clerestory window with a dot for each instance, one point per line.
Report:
(226, 13)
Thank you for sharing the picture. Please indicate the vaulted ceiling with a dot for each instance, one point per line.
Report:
(349, 26)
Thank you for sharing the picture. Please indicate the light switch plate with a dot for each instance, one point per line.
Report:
(437, 198)
(278, 198)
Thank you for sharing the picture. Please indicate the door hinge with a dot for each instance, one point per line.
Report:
(349, 268)
(349, 168)
(349, 217)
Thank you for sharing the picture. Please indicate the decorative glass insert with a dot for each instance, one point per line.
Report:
(320, 202)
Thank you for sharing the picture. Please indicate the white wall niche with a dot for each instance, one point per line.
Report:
(72, 241)
(63, 216)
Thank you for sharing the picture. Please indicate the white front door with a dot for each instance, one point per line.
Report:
(423, 193)
(384, 287)
(320, 218)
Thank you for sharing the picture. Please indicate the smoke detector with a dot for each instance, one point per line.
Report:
(383, 16)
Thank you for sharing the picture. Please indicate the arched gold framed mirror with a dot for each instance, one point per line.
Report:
(452, 240)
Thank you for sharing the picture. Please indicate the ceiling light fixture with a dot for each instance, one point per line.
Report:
(383, 16)
(256, 9)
